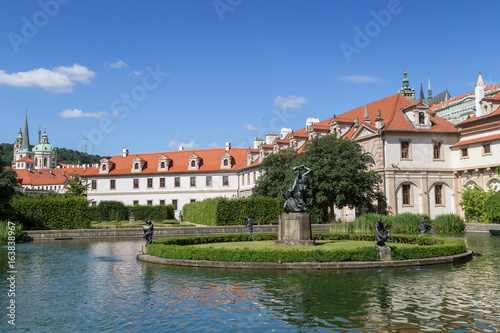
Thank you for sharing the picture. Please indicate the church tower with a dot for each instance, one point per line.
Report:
(429, 90)
(24, 156)
(45, 153)
(17, 146)
(405, 88)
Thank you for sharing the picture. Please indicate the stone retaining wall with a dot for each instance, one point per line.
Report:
(37, 235)
(480, 227)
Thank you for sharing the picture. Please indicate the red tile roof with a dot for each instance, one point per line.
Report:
(25, 159)
(473, 119)
(448, 101)
(211, 161)
(43, 177)
(477, 140)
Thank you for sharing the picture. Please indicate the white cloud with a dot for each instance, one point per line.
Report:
(253, 128)
(289, 102)
(359, 78)
(136, 73)
(189, 145)
(118, 64)
(76, 113)
(58, 79)
(213, 145)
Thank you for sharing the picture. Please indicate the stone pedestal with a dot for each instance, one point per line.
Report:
(132, 220)
(144, 248)
(294, 229)
(385, 253)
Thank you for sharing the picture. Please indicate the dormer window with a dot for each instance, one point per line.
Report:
(138, 164)
(194, 162)
(105, 165)
(226, 161)
(421, 118)
(163, 163)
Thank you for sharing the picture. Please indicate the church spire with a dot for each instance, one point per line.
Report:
(429, 90)
(25, 144)
(406, 90)
(421, 93)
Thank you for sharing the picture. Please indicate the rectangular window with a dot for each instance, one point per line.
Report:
(225, 180)
(136, 183)
(248, 178)
(93, 203)
(150, 182)
(405, 149)
(112, 184)
(209, 181)
(406, 194)
(254, 177)
(174, 203)
(438, 194)
(150, 202)
(192, 181)
(487, 149)
(177, 181)
(242, 180)
(94, 184)
(192, 200)
(162, 202)
(464, 152)
(135, 202)
(437, 150)
(162, 182)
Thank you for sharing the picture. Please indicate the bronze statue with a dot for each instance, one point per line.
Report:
(249, 226)
(382, 235)
(297, 202)
(424, 228)
(147, 233)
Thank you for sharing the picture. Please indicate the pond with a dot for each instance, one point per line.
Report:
(98, 285)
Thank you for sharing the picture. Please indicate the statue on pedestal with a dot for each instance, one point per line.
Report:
(296, 194)
(147, 232)
(424, 228)
(382, 235)
(249, 226)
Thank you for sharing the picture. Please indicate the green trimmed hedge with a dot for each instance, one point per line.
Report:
(222, 211)
(491, 208)
(158, 213)
(117, 211)
(424, 247)
(34, 211)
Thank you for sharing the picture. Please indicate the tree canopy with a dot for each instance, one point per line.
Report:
(7, 188)
(76, 187)
(339, 174)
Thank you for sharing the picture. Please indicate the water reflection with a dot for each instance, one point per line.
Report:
(99, 285)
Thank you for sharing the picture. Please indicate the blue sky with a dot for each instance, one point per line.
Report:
(150, 76)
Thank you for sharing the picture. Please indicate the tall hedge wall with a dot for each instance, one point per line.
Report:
(51, 213)
(222, 211)
(117, 211)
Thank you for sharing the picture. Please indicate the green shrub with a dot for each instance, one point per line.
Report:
(473, 200)
(448, 223)
(423, 247)
(492, 208)
(156, 213)
(111, 211)
(52, 212)
(5, 227)
(222, 211)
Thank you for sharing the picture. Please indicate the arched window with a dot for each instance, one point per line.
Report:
(193, 164)
(226, 162)
(45, 162)
(104, 167)
(162, 165)
(136, 166)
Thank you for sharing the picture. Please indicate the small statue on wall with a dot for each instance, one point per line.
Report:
(249, 226)
(382, 235)
(147, 232)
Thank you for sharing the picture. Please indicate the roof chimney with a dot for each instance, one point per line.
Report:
(285, 132)
(270, 137)
(257, 142)
(228, 146)
(181, 148)
(125, 153)
(310, 122)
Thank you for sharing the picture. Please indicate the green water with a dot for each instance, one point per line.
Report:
(95, 286)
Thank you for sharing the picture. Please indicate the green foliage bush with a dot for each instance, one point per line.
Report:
(222, 211)
(111, 211)
(492, 208)
(52, 212)
(448, 223)
(473, 200)
(156, 213)
(4, 232)
(423, 247)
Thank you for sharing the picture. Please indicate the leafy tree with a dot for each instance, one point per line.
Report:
(277, 176)
(472, 203)
(7, 189)
(339, 175)
(76, 187)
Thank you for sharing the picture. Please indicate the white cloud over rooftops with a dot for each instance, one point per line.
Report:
(118, 64)
(359, 78)
(76, 113)
(291, 101)
(58, 79)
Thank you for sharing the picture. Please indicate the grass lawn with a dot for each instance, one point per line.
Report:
(320, 245)
(137, 224)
